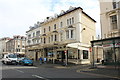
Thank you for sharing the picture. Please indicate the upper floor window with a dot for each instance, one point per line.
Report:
(33, 34)
(67, 21)
(113, 22)
(61, 36)
(61, 24)
(54, 26)
(67, 34)
(55, 37)
(44, 30)
(49, 28)
(72, 34)
(37, 33)
(29, 36)
(44, 40)
(72, 20)
(51, 37)
(114, 4)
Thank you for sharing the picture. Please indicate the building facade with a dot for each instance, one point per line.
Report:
(3, 48)
(16, 45)
(110, 31)
(66, 36)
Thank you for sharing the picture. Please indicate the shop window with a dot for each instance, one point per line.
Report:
(85, 54)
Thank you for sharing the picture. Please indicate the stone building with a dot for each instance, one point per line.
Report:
(3, 42)
(64, 37)
(110, 30)
(16, 45)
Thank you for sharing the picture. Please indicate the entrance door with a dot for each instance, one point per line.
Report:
(63, 55)
(36, 56)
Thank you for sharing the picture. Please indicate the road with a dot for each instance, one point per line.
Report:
(45, 73)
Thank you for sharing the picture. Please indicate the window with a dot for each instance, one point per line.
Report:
(44, 30)
(51, 37)
(72, 34)
(18, 45)
(33, 34)
(67, 34)
(55, 37)
(41, 40)
(61, 36)
(114, 4)
(29, 36)
(61, 24)
(85, 54)
(38, 33)
(23, 46)
(54, 26)
(49, 28)
(44, 40)
(113, 20)
(72, 20)
(67, 21)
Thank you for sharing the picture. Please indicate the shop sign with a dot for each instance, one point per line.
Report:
(108, 43)
(117, 43)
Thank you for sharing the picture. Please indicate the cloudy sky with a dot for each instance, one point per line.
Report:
(16, 16)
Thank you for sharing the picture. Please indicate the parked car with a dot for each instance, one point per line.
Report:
(9, 58)
(26, 61)
(19, 59)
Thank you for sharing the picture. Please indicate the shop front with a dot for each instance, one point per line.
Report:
(111, 50)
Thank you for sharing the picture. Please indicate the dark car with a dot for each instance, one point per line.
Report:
(26, 61)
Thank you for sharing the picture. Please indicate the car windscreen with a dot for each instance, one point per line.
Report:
(12, 56)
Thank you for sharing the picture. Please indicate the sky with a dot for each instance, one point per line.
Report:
(16, 16)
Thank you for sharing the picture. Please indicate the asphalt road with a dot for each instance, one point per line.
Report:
(45, 73)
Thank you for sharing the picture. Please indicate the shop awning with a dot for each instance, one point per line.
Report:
(79, 46)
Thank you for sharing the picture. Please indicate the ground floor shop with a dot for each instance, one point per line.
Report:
(110, 48)
(64, 53)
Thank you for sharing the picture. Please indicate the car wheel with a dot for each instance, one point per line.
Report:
(5, 62)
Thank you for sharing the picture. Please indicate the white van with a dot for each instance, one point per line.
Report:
(9, 58)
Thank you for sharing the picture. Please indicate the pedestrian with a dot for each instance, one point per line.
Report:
(45, 60)
(102, 62)
(40, 60)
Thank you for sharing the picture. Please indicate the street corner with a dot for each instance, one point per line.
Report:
(86, 69)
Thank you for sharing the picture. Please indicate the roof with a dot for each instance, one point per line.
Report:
(68, 11)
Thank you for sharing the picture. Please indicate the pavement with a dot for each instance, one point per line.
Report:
(102, 70)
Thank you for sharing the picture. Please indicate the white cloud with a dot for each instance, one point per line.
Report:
(17, 15)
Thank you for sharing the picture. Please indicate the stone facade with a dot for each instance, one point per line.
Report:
(71, 26)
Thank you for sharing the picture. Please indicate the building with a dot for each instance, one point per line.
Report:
(16, 45)
(110, 31)
(63, 37)
(3, 42)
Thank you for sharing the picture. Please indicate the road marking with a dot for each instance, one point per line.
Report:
(19, 71)
(40, 77)
(97, 74)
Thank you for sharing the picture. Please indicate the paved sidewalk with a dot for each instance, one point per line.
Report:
(108, 71)
(103, 70)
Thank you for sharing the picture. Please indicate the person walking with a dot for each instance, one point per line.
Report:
(45, 60)
(40, 60)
